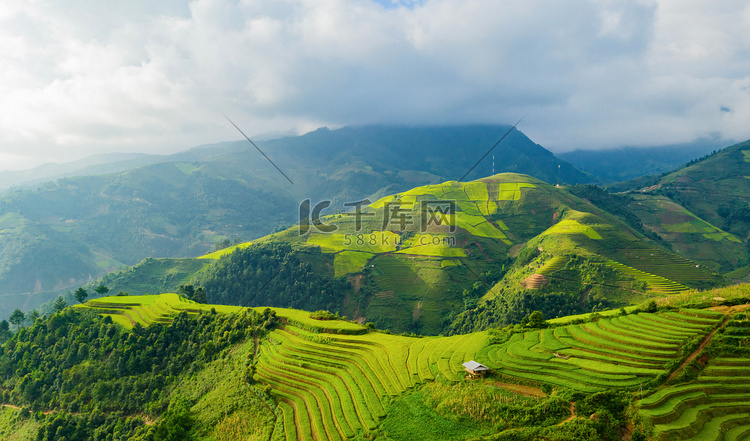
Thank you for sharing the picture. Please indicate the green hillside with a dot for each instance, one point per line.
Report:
(701, 210)
(511, 245)
(161, 366)
(59, 234)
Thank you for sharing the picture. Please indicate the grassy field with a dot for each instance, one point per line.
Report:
(571, 226)
(223, 252)
(14, 426)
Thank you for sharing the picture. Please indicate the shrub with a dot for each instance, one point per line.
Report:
(323, 315)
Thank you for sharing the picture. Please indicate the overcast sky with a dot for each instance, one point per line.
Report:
(79, 77)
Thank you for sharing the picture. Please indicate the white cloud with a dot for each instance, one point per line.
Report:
(145, 76)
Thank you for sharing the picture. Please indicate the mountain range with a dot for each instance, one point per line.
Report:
(178, 207)
(182, 205)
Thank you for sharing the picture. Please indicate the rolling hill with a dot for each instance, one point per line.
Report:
(702, 209)
(59, 234)
(503, 247)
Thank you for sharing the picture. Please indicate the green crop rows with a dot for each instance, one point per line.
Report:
(333, 379)
(667, 265)
(145, 310)
(654, 282)
(620, 352)
(714, 406)
(554, 264)
(331, 386)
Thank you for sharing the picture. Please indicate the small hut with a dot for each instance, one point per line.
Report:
(475, 369)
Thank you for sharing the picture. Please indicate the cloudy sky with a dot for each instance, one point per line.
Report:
(87, 76)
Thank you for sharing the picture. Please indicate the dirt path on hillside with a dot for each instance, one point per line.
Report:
(695, 353)
(519, 389)
(572, 414)
(46, 412)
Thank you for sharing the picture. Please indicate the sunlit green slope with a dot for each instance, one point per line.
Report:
(435, 255)
(702, 209)
(335, 379)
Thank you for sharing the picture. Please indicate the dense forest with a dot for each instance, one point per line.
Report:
(274, 275)
(85, 378)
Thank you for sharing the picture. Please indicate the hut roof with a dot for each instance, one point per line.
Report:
(474, 366)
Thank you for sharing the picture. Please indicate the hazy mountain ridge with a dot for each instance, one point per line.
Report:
(702, 209)
(626, 163)
(182, 204)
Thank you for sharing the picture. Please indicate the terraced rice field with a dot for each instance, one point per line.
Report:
(654, 282)
(715, 406)
(667, 265)
(226, 251)
(553, 264)
(334, 386)
(619, 352)
(572, 226)
(146, 310)
(333, 379)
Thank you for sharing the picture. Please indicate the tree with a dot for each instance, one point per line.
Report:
(101, 289)
(177, 422)
(200, 296)
(33, 316)
(187, 291)
(81, 295)
(220, 245)
(17, 318)
(4, 331)
(536, 320)
(60, 304)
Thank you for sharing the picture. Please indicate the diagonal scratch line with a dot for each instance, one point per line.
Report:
(491, 149)
(480, 279)
(247, 302)
(258, 148)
